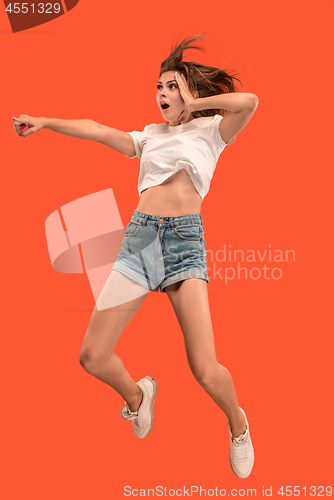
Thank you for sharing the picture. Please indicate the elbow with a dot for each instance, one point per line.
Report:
(253, 101)
(99, 132)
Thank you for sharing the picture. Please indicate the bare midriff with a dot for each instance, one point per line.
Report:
(176, 196)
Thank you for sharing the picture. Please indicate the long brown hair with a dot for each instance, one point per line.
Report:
(206, 80)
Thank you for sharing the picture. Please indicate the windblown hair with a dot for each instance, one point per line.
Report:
(206, 80)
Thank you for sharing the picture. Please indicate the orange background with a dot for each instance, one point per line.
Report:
(63, 436)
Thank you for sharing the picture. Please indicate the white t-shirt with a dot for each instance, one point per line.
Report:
(164, 150)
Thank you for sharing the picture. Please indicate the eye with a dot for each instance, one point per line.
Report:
(159, 86)
(173, 85)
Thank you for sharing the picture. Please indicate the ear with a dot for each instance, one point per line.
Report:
(195, 94)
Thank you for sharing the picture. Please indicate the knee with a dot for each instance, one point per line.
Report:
(91, 361)
(206, 374)
(86, 360)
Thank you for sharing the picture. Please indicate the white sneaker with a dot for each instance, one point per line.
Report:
(142, 419)
(241, 452)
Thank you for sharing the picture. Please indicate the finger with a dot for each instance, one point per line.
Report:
(20, 126)
(182, 82)
(26, 133)
(18, 120)
(21, 118)
(177, 77)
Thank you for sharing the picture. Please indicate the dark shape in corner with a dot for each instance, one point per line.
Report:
(36, 14)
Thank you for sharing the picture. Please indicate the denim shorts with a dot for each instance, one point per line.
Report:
(159, 251)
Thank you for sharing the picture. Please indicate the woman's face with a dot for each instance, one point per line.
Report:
(169, 98)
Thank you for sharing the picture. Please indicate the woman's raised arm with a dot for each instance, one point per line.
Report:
(83, 129)
(240, 106)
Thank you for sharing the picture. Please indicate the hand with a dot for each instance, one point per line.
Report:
(34, 124)
(188, 98)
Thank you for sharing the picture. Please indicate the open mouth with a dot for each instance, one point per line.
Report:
(164, 106)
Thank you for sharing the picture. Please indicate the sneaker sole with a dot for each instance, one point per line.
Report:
(155, 390)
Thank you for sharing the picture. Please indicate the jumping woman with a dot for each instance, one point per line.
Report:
(164, 246)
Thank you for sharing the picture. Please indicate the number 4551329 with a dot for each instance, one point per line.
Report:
(41, 8)
(313, 491)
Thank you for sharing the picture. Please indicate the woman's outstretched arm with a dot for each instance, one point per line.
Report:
(83, 129)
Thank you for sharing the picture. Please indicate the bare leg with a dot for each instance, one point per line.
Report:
(104, 329)
(189, 299)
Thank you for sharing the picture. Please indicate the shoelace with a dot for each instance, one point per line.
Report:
(128, 414)
(239, 446)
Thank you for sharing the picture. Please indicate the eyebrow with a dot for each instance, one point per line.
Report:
(170, 81)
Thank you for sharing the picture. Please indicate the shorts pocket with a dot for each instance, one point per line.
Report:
(133, 228)
(190, 232)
